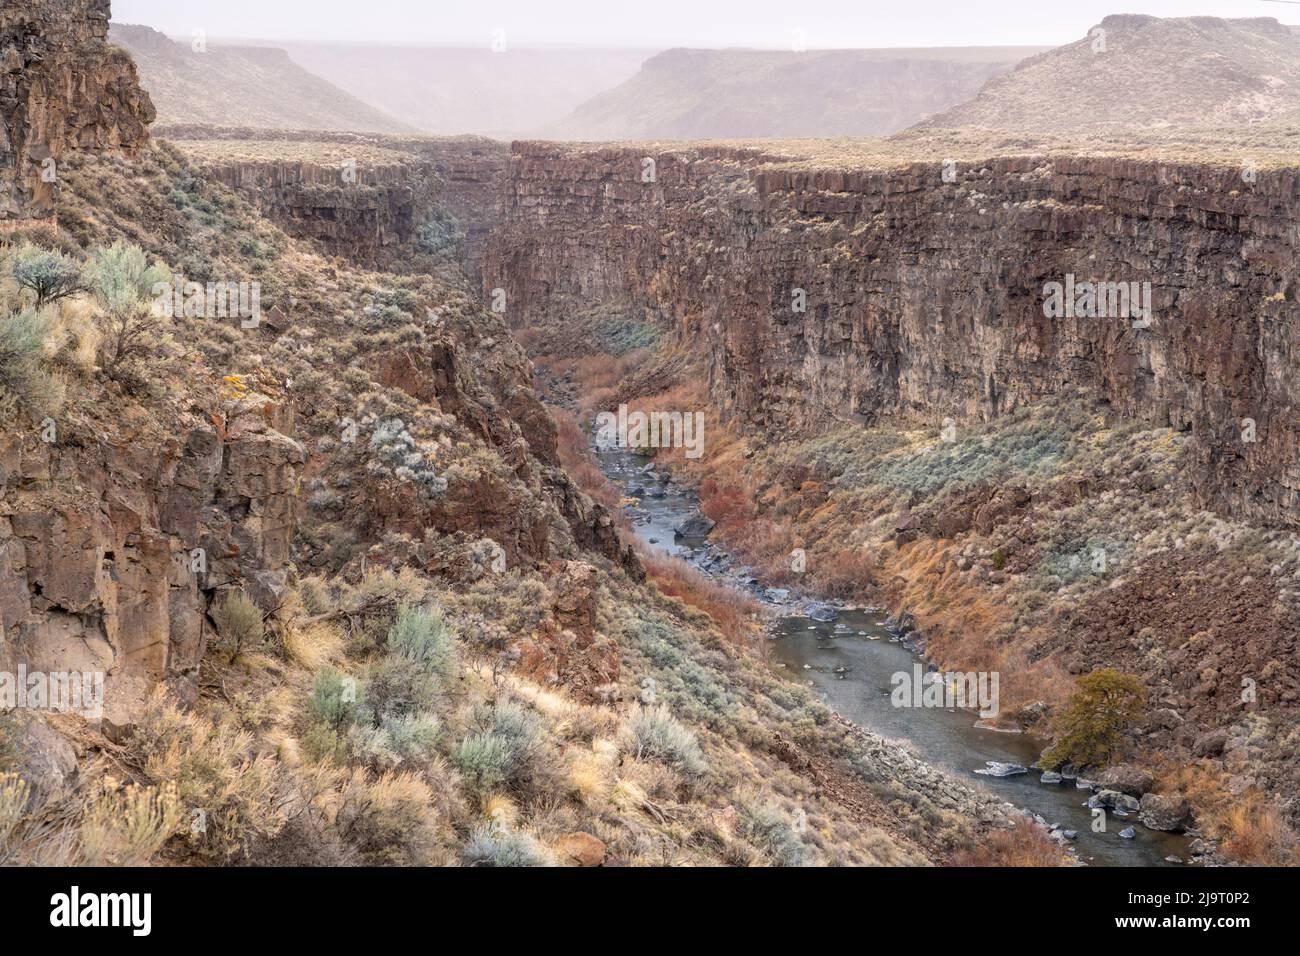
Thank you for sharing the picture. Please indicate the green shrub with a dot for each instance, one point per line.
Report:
(396, 740)
(659, 735)
(1090, 730)
(123, 281)
(484, 761)
(771, 831)
(333, 699)
(493, 846)
(23, 338)
(423, 637)
(50, 276)
(505, 752)
(239, 622)
(398, 687)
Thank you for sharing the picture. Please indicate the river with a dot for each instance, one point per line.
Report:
(850, 662)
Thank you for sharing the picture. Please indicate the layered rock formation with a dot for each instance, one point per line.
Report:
(360, 196)
(819, 293)
(62, 89)
(112, 539)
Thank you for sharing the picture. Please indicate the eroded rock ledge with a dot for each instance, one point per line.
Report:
(925, 297)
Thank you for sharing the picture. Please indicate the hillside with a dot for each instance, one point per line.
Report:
(736, 94)
(456, 90)
(244, 86)
(1148, 74)
(322, 552)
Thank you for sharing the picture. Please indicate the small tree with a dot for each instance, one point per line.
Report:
(49, 275)
(123, 281)
(1090, 731)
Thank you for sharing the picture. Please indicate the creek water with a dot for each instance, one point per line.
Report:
(850, 661)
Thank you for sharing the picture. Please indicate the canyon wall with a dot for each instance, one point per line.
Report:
(358, 213)
(452, 181)
(62, 89)
(923, 287)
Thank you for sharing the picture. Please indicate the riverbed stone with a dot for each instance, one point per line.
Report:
(1118, 801)
(695, 525)
(822, 612)
(1165, 811)
(1127, 778)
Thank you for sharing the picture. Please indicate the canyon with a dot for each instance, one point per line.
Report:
(924, 289)
(863, 324)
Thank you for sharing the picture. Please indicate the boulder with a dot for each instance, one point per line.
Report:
(580, 849)
(1165, 811)
(822, 612)
(1126, 778)
(1210, 744)
(1118, 801)
(696, 525)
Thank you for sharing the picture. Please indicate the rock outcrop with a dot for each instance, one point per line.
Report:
(366, 198)
(819, 293)
(113, 542)
(62, 89)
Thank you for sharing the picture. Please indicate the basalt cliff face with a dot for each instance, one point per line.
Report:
(62, 89)
(366, 198)
(922, 287)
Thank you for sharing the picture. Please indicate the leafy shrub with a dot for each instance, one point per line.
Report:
(50, 276)
(239, 622)
(333, 700)
(396, 454)
(396, 740)
(440, 235)
(497, 847)
(771, 831)
(123, 281)
(23, 339)
(659, 735)
(504, 753)
(1090, 731)
(424, 638)
(396, 687)
(484, 761)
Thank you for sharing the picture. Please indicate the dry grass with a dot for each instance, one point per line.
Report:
(959, 616)
(575, 456)
(1022, 845)
(733, 613)
(1250, 830)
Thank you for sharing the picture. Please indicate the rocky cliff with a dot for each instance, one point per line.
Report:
(826, 292)
(62, 89)
(361, 197)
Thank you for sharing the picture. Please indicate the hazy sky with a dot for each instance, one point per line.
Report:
(662, 23)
